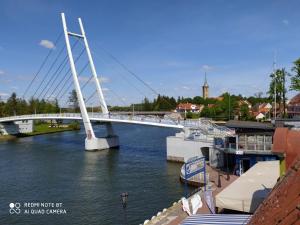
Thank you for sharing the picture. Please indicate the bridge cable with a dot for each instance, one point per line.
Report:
(131, 72)
(127, 69)
(59, 96)
(84, 85)
(53, 78)
(70, 85)
(50, 68)
(118, 97)
(86, 82)
(42, 65)
(64, 77)
(121, 75)
(92, 95)
(57, 72)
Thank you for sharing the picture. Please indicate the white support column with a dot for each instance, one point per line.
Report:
(91, 142)
(96, 80)
(86, 121)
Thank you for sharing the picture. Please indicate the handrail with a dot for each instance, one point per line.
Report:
(205, 126)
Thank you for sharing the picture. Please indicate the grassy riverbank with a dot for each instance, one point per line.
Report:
(43, 128)
(46, 129)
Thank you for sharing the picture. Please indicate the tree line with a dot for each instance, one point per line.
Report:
(18, 106)
(278, 87)
(225, 107)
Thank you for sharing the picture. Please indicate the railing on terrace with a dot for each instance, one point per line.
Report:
(251, 147)
(202, 138)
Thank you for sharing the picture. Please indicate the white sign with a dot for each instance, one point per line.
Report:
(239, 152)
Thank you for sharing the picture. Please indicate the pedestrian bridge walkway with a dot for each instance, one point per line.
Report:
(204, 126)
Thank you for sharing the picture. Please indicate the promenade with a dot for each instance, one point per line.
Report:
(174, 215)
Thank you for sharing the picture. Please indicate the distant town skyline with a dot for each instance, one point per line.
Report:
(168, 44)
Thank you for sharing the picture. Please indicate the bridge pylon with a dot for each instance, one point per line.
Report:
(91, 141)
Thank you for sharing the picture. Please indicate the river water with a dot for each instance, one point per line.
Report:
(54, 168)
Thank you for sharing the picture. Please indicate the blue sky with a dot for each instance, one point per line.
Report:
(169, 44)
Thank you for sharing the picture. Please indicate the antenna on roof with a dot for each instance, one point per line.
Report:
(275, 84)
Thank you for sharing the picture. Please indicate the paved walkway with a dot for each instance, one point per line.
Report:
(175, 215)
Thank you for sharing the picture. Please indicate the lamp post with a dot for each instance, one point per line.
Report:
(132, 110)
(227, 168)
(275, 84)
(219, 179)
(229, 113)
(124, 197)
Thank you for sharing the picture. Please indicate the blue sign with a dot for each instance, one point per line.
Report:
(194, 166)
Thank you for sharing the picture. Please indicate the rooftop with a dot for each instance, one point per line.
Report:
(282, 204)
(295, 100)
(249, 125)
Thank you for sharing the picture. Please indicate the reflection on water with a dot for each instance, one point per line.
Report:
(55, 168)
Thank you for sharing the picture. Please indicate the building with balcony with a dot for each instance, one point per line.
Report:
(252, 143)
(188, 107)
(293, 108)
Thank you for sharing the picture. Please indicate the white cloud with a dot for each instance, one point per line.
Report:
(207, 68)
(2, 72)
(285, 22)
(47, 44)
(103, 79)
(185, 87)
(83, 79)
(105, 89)
(4, 94)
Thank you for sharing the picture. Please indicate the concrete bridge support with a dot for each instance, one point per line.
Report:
(110, 141)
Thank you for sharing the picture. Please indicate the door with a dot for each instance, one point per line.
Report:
(244, 165)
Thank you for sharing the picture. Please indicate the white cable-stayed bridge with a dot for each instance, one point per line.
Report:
(58, 80)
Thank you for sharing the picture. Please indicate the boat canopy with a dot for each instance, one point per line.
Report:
(250, 189)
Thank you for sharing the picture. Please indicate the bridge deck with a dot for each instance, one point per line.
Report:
(141, 120)
(206, 127)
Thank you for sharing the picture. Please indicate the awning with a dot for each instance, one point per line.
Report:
(217, 219)
(250, 189)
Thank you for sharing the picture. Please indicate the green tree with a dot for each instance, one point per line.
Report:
(11, 105)
(56, 106)
(244, 111)
(33, 105)
(147, 106)
(295, 79)
(198, 100)
(229, 106)
(74, 100)
(278, 80)
(207, 112)
(2, 108)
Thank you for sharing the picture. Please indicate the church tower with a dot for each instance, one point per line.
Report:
(205, 88)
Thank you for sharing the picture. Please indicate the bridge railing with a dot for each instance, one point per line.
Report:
(205, 126)
(141, 118)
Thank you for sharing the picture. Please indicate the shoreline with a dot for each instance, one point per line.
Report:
(36, 133)
(174, 215)
(10, 137)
